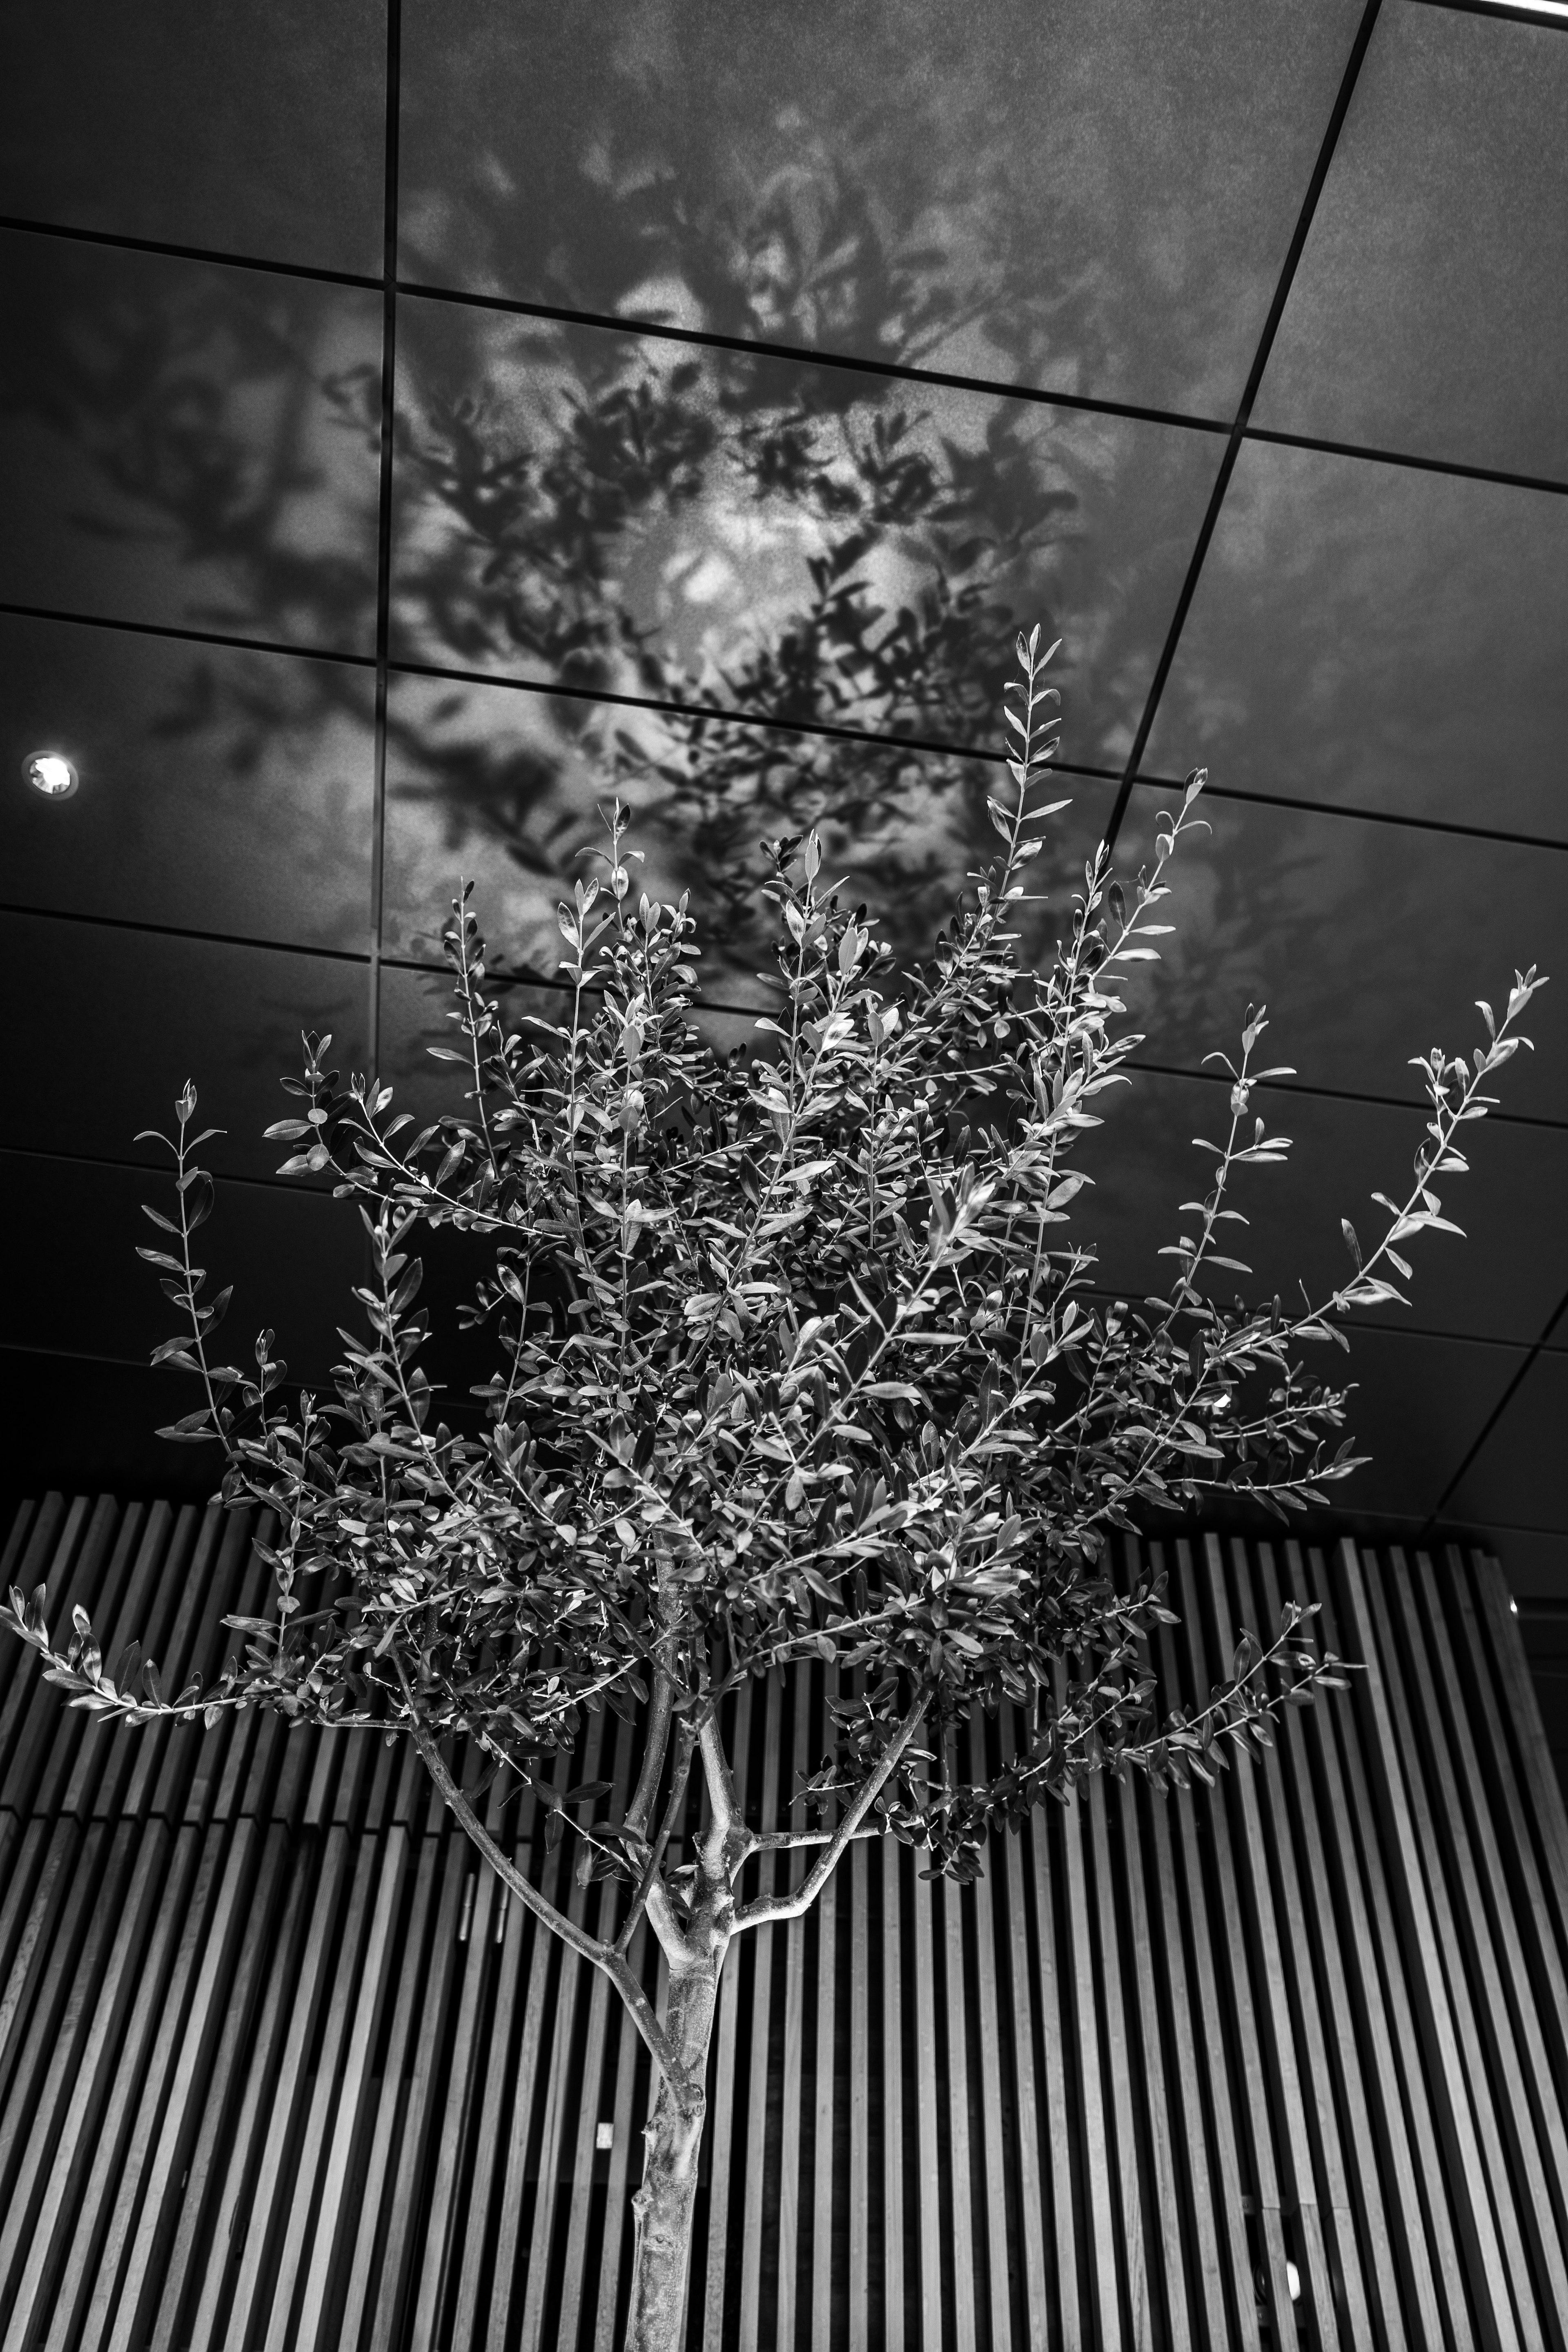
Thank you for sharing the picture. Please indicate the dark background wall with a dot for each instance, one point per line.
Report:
(414, 428)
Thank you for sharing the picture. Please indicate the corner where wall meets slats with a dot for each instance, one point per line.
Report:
(1281, 2065)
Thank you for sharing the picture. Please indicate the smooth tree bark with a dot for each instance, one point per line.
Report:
(696, 1935)
(695, 1952)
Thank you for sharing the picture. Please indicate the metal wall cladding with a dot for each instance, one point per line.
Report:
(1277, 2065)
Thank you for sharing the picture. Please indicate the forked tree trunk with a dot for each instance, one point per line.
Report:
(661, 2260)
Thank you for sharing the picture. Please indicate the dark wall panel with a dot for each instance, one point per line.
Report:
(254, 129)
(1378, 637)
(619, 512)
(748, 386)
(220, 790)
(1087, 202)
(1368, 943)
(1429, 310)
(108, 1024)
(188, 444)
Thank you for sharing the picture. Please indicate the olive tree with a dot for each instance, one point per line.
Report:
(795, 1358)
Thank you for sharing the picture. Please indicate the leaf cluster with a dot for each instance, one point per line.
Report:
(795, 1358)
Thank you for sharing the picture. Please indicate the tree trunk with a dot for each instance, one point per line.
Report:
(663, 2205)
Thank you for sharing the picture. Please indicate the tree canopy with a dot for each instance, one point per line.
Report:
(795, 1358)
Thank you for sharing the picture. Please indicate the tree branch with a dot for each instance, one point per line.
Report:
(640, 1810)
(685, 1742)
(605, 1957)
(765, 1910)
(783, 1841)
(727, 1817)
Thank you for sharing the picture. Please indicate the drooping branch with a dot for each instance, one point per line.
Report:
(605, 1957)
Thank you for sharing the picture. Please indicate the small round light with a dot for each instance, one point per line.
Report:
(51, 774)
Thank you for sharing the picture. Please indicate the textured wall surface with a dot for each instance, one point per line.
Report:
(1281, 2065)
(417, 425)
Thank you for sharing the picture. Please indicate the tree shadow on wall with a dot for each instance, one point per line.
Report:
(748, 594)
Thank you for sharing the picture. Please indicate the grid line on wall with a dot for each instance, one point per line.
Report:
(1254, 374)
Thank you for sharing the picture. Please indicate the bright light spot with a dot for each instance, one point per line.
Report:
(1514, 1606)
(1293, 2281)
(51, 774)
(603, 2135)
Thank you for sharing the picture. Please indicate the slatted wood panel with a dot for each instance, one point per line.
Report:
(278, 2068)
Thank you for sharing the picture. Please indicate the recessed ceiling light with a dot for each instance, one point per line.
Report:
(51, 774)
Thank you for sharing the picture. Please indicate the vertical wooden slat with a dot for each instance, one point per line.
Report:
(764, 1940)
(1530, 1911)
(409, 1951)
(307, 2201)
(822, 2085)
(123, 2179)
(175, 1610)
(1425, 2242)
(24, 1519)
(29, 1707)
(1244, 2015)
(252, 2312)
(857, 1863)
(794, 1955)
(360, 2011)
(233, 2207)
(1228, 2186)
(929, 2177)
(201, 1644)
(82, 1926)
(469, 1965)
(569, 1985)
(1130, 2198)
(441, 1969)
(1541, 1789)
(44, 1868)
(36, 2229)
(997, 2266)
(543, 1955)
(723, 2103)
(221, 2009)
(591, 2105)
(103, 1565)
(1093, 2153)
(199, 2154)
(1488, 1948)
(1362, 2233)
(1203, 2173)
(1019, 2007)
(892, 2095)
(1277, 2022)
(132, 2188)
(1167, 2250)
(1058, 2134)
(1401, 1800)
